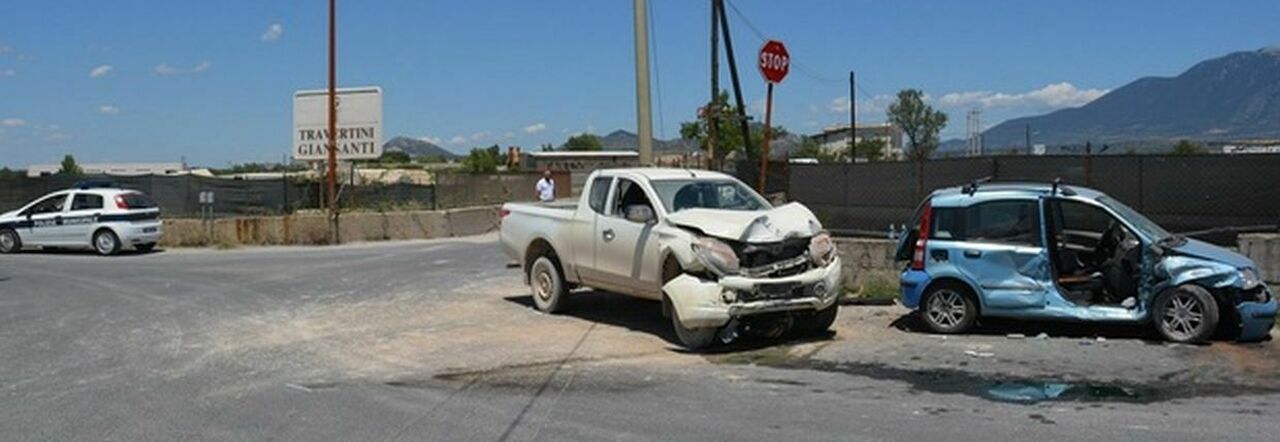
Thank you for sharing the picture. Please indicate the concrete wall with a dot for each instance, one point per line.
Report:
(1263, 249)
(312, 229)
(868, 264)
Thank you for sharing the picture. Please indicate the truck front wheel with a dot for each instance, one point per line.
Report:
(547, 282)
(693, 338)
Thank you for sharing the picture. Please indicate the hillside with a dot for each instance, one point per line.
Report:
(417, 148)
(1230, 97)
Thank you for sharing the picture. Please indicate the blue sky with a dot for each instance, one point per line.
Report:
(212, 81)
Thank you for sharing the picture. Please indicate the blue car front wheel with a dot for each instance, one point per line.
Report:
(1186, 314)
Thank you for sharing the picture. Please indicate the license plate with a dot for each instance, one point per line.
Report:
(777, 289)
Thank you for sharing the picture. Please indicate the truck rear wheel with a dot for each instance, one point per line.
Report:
(547, 282)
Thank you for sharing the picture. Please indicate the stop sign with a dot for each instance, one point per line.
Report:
(774, 61)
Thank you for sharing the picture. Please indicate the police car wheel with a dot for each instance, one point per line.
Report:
(106, 243)
(9, 241)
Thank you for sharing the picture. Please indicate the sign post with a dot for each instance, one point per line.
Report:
(774, 63)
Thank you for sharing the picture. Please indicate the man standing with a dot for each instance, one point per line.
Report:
(545, 190)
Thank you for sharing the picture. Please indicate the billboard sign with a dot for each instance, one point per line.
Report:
(359, 124)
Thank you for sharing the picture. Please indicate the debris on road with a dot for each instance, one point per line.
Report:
(979, 354)
(1015, 336)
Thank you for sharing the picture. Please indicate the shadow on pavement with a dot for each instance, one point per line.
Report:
(912, 323)
(645, 316)
(54, 251)
(635, 314)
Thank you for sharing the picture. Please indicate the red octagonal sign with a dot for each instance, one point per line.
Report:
(774, 61)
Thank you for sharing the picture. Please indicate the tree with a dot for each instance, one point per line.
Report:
(810, 148)
(394, 157)
(870, 148)
(728, 131)
(482, 160)
(69, 166)
(547, 147)
(919, 122)
(1186, 147)
(583, 142)
(8, 174)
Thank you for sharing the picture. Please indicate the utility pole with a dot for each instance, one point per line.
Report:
(333, 123)
(1028, 133)
(733, 75)
(644, 116)
(714, 105)
(853, 121)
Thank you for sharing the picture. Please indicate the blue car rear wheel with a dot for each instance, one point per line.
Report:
(948, 308)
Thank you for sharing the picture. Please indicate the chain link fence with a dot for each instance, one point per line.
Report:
(1214, 196)
(179, 196)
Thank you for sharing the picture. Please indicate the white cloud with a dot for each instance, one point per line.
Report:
(107, 109)
(1052, 96)
(873, 106)
(273, 32)
(509, 135)
(165, 69)
(458, 139)
(13, 122)
(57, 136)
(479, 136)
(535, 128)
(5, 49)
(433, 140)
(8, 72)
(100, 71)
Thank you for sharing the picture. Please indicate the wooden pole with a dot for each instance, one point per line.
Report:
(764, 150)
(333, 123)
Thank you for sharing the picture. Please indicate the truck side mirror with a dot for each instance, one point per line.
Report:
(639, 213)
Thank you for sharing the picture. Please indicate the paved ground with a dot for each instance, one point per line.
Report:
(435, 340)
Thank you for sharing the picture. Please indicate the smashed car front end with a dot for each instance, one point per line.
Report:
(1234, 282)
(738, 265)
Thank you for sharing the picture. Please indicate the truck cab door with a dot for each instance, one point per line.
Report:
(626, 251)
(1001, 248)
(585, 235)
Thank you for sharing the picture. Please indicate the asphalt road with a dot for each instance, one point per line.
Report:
(435, 340)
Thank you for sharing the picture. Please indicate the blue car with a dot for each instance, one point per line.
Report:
(1049, 251)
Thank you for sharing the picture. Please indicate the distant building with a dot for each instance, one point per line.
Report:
(119, 169)
(579, 164)
(836, 138)
(1247, 146)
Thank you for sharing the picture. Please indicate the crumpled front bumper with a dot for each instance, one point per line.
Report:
(702, 303)
(1257, 318)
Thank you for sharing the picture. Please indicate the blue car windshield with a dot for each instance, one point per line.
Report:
(1145, 226)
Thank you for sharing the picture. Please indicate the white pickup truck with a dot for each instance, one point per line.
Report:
(719, 257)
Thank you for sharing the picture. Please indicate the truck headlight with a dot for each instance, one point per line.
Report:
(716, 256)
(822, 249)
(1250, 278)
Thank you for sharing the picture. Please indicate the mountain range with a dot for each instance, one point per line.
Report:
(1236, 96)
(417, 148)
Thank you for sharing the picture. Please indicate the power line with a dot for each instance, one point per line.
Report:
(801, 68)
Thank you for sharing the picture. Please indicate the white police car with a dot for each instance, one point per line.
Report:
(104, 219)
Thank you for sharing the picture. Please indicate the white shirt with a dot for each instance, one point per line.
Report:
(546, 188)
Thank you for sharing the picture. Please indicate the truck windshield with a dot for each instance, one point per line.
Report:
(1145, 226)
(677, 195)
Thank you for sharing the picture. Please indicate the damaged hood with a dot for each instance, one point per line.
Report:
(1199, 249)
(792, 220)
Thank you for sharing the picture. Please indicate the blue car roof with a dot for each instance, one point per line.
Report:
(959, 196)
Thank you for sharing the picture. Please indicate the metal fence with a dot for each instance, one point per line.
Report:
(179, 196)
(1181, 192)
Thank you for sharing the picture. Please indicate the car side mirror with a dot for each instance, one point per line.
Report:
(639, 213)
